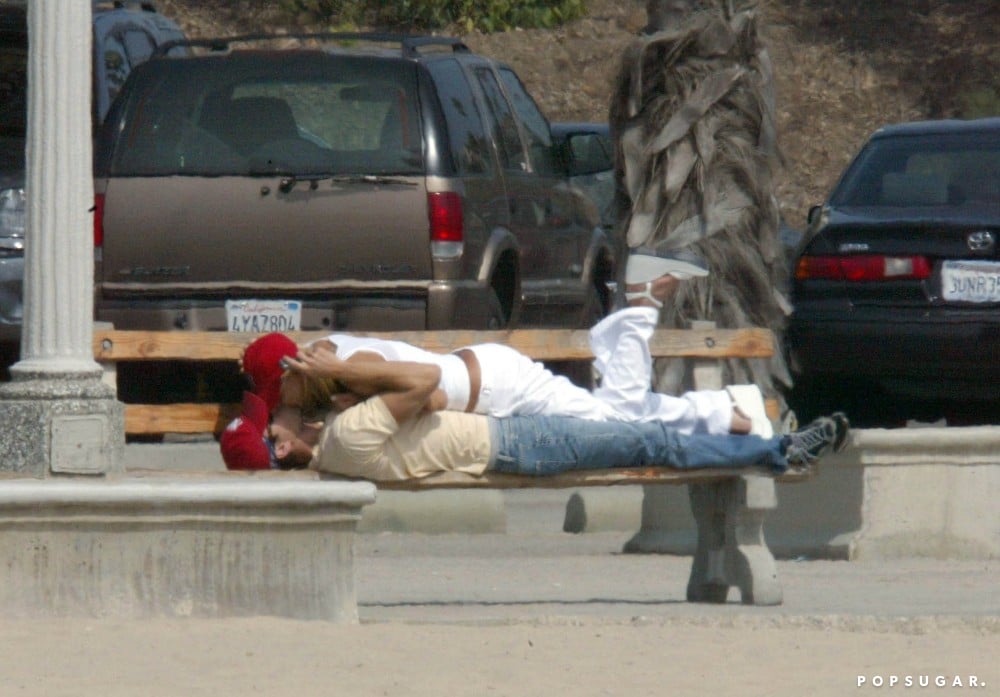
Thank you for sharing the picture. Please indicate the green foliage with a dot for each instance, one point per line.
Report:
(323, 11)
(467, 15)
(979, 103)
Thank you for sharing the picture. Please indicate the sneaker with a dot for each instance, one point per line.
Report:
(821, 436)
(646, 264)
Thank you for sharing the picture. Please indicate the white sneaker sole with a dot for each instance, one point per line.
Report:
(642, 268)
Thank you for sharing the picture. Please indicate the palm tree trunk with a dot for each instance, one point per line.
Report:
(693, 120)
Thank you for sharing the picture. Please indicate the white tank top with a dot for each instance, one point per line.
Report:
(454, 375)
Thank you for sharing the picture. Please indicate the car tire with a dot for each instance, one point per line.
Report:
(495, 317)
(596, 307)
(581, 373)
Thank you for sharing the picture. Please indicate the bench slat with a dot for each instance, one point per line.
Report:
(579, 478)
(540, 344)
(493, 480)
(149, 419)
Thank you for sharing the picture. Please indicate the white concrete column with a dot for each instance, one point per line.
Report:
(59, 418)
(59, 246)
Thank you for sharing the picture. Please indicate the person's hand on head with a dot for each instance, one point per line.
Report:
(318, 360)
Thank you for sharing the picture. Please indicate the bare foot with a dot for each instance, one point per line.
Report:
(741, 423)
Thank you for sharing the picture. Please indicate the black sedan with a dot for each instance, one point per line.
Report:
(897, 291)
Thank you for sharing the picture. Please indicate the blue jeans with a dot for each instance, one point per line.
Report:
(541, 445)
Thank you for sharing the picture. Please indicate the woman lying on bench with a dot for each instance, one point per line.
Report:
(497, 380)
(391, 436)
(385, 423)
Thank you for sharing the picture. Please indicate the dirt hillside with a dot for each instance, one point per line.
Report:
(842, 68)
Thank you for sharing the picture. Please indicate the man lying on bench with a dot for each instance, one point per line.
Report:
(384, 424)
(497, 380)
(390, 436)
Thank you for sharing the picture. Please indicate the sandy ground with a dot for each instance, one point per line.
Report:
(590, 656)
(535, 612)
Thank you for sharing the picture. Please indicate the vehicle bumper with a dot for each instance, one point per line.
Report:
(438, 306)
(458, 305)
(11, 294)
(917, 354)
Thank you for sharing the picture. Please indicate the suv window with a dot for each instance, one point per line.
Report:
(539, 133)
(470, 148)
(502, 123)
(307, 113)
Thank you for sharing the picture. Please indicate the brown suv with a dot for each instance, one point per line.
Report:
(341, 184)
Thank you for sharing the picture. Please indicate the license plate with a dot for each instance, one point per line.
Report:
(971, 281)
(263, 315)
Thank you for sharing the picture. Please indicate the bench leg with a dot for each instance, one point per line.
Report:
(707, 583)
(731, 550)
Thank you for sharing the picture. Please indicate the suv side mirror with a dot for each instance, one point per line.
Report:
(586, 153)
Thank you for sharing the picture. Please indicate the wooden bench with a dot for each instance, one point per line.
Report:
(729, 505)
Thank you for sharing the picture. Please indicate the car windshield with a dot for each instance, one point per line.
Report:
(296, 114)
(952, 171)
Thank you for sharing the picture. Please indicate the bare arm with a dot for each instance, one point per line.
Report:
(320, 360)
(406, 388)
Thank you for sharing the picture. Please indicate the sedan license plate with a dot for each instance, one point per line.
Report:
(971, 281)
(263, 315)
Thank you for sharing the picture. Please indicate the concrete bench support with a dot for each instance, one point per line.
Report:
(168, 547)
(731, 550)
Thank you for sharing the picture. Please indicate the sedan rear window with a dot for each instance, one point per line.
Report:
(306, 113)
(949, 171)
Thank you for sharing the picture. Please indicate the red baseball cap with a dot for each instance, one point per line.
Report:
(261, 363)
(244, 442)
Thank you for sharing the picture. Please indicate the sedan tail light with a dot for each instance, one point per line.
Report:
(447, 224)
(863, 267)
(98, 221)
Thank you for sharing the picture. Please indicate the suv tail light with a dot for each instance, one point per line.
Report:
(863, 268)
(447, 224)
(98, 220)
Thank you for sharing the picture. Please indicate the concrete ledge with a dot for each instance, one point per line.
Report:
(468, 511)
(210, 547)
(428, 512)
(930, 492)
(592, 509)
(911, 492)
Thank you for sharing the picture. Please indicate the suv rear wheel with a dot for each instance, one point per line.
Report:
(496, 319)
(597, 305)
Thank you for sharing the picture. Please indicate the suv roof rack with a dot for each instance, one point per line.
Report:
(145, 5)
(410, 44)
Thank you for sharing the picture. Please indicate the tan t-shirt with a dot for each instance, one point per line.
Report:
(365, 441)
